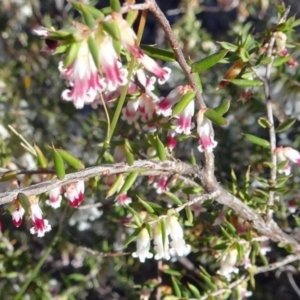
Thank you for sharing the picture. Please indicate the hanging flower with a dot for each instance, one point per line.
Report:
(123, 200)
(184, 122)
(130, 112)
(178, 245)
(75, 193)
(40, 225)
(55, 197)
(171, 140)
(228, 262)
(287, 154)
(129, 42)
(17, 213)
(161, 184)
(82, 77)
(161, 248)
(205, 132)
(110, 65)
(164, 106)
(142, 246)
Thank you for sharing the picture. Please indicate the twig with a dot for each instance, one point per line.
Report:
(269, 107)
(293, 283)
(146, 167)
(279, 264)
(178, 209)
(103, 254)
(153, 7)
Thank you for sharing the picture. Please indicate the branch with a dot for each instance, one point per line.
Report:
(279, 264)
(269, 229)
(147, 168)
(153, 7)
(269, 106)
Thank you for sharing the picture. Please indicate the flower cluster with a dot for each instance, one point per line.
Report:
(74, 192)
(163, 248)
(88, 76)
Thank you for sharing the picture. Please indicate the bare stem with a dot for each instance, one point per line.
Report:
(272, 132)
(153, 7)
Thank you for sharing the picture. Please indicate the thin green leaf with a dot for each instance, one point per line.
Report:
(70, 159)
(183, 103)
(189, 214)
(171, 272)
(208, 62)
(24, 201)
(163, 54)
(8, 175)
(160, 148)
(228, 46)
(132, 237)
(176, 288)
(174, 198)
(136, 215)
(129, 181)
(72, 54)
(115, 186)
(149, 209)
(131, 17)
(198, 82)
(286, 125)
(258, 141)
(58, 164)
(264, 123)
(245, 82)
(96, 13)
(115, 5)
(112, 29)
(194, 290)
(88, 18)
(223, 107)
(215, 117)
(93, 48)
(191, 190)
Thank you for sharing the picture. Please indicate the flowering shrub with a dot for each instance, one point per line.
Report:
(138, 165)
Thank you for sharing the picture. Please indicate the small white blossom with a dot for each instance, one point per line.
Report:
(143, 246)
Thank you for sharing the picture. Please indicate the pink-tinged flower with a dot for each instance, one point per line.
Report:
(17, 213)
(178, 245)
(163, 74)
(123, 200)
(143, 246)
(287, 154)
(129, 42)
(184, 123)
(83, 78)
(146, 81)
(130, 112)
(164, 106)
(75, 193)
(110, 66)
(197, 209)
(291, 154)
(171, 140)
(40, 225)
(161, 184)
(292, 206)
(161, 247)
(205, 132)
(242, 291)
(146, 108)
(55, 197)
